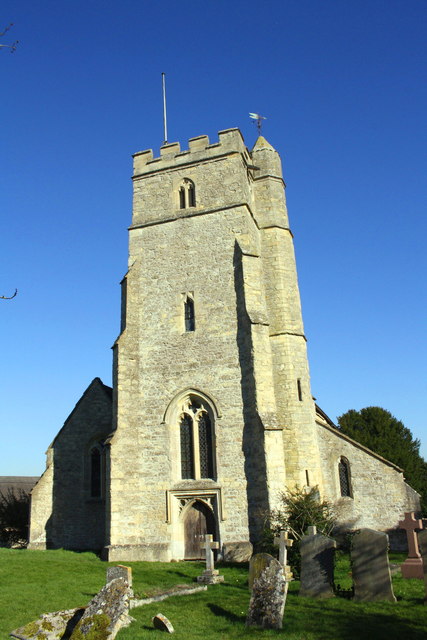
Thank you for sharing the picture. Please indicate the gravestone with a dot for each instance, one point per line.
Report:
(119, 571)
(370, 567)
(422, 543)
(413, 565)
(283, 542)
(161, 623)
(257, 564)
(210, 575)
(237, 551)
(268, 597)
(107, 612)
(317, 565)
(50, 626)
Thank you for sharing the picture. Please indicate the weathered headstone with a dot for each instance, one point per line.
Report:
(50, 626)
(237, 551)
(119, 571)
(370, 567)
(422, 542)
(257, 565)
(161, 623)
(317, 565)
(210, 575)
(413, 565)
(268, 597)
(283, 542)
(107, 612)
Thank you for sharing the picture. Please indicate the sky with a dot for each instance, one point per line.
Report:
(343, 87)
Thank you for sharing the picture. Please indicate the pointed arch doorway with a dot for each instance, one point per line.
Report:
(198, 521)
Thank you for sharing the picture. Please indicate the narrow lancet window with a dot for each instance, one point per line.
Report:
(182, 198)
(187, 449)
(191, 195)
(205, 446)
(95, 473)
(190, 319)
(299, 390)
(344, 475)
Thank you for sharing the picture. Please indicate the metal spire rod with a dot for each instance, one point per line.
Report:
(165, 126)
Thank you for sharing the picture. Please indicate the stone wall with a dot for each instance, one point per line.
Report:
(63, 513)
(379, 494)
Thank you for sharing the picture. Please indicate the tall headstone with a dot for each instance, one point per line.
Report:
(422, 543)
(210, 575)
(370, 566)
(413, 565)
(267, 602)
(317, 565)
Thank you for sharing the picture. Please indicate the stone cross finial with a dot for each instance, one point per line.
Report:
(409, 524)
(283, 541)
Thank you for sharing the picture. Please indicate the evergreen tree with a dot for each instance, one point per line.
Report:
(379, 430)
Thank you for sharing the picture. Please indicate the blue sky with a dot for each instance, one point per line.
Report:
(343, 87)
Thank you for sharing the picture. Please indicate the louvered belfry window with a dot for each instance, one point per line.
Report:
(190, 318)
(344, 475)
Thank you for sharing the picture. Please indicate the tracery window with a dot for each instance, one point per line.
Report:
(187, 194)
(345, 478)
(196, 440)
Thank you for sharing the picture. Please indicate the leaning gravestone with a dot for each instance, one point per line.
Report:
(268, 597)
(107, 612)
(257, 564)
(370, 567)
(317, 565)
(50, 626)
(119, 571)
(422, 543)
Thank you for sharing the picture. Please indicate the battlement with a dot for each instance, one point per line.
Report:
(199, 148)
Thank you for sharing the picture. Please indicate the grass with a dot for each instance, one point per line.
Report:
(33, 582)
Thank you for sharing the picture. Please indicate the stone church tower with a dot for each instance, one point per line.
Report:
(211, 414)
(212, 392)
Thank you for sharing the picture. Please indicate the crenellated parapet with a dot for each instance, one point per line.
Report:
(199, 148)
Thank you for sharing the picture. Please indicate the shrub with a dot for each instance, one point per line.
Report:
(300, 509)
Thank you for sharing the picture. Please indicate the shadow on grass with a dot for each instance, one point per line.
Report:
(352, 622)
(223, 613)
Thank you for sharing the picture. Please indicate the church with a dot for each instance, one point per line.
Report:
(211, 414)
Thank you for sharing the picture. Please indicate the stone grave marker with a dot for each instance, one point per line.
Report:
(283, 542)
(161, 623)
(317, 565)
(119, 571)
(370, 567)
(240, 551)
(413, 565)
(107, 612)
(257, 565)
(422, 543)
(210, 575)
(268, 597)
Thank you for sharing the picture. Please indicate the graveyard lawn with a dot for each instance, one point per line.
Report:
(33, 582)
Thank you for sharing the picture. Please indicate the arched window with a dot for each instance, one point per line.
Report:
(187, 194)
(96, 471)
(345, 478)
(189, 315)
(196, 440)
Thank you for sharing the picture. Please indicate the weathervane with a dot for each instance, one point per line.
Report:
(12, 46)
(259, 119)
(165, 126)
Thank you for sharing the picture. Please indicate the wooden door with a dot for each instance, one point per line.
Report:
(198, 522)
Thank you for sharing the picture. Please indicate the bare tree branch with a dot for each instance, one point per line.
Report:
(12, 46)
(9, 297)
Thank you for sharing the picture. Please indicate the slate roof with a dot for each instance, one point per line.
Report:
(17, 483)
